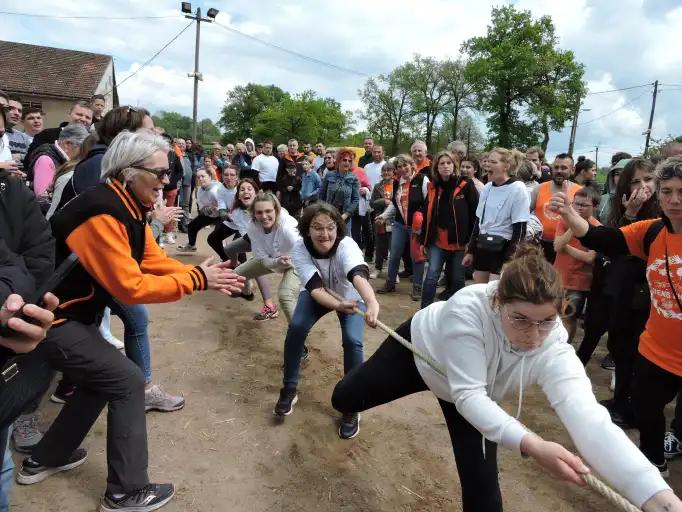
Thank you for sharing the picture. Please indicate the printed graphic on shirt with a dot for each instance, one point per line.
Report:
(662, 297)
(549, 213)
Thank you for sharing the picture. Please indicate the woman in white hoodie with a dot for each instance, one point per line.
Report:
(490, 340)
(272, 234)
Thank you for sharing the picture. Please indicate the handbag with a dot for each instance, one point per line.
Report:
(489, 243)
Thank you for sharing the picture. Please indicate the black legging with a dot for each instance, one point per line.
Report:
(391, 374)
(597, 316)
(216, 238)
(198, 222)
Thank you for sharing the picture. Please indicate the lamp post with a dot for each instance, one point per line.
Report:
(186, 8)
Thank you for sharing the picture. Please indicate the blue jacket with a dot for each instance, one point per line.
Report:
(342, 191)
(310, 187)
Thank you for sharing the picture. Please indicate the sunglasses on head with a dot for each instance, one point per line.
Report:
(669, 172)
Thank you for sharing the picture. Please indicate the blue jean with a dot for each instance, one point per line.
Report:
(306, 315)
(400, 243)
(437, 258)
(135, 335)
(6, 472)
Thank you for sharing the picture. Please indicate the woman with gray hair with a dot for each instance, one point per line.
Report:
(118, 258)
(46, 158)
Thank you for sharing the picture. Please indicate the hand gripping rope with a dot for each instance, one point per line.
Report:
(590, 479)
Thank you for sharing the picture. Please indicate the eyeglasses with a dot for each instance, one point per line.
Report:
(160, 173)
(582, 205)
(524, 324)
(347, 160)
(328, 157)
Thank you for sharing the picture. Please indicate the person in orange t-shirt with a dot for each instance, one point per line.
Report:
(573, 261)
(658, 369)
(562, 170)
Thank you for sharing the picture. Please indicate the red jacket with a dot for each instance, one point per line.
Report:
(362, 177)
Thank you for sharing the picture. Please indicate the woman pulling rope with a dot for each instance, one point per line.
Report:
(493, 339)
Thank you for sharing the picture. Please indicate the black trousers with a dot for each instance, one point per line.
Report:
(363, 233)
(216, 238)
(548, 249)
(654, 388)
(597, 316)
(103, 377)
(391, 374)
(198, 222)
(622, 344)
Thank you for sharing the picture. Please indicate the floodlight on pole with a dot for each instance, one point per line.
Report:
(186, 8)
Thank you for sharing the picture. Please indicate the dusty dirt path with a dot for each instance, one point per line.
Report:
(225, 452)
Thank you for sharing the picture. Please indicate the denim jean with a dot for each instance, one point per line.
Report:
(135, 335)
(437, 258)
(306, 315)
(400, 242)
(6, 471)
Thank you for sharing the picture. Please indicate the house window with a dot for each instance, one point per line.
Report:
(32, 104)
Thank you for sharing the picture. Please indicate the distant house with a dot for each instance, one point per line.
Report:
(52, 79)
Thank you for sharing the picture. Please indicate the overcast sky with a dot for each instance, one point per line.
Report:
(621, 42)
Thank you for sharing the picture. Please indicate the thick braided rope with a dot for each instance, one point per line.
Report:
(590, 479)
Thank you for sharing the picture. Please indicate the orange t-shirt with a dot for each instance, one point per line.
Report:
(575, 274)
(661, 341)
(550, 219)
(426, 164)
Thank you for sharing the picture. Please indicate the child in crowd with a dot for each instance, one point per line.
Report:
(289, 193)
(310, 183)
(381, 198)
(574, 262)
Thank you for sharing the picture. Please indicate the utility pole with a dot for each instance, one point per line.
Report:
(651, 118)
(596, 157)
(212, 13)
(574, 126)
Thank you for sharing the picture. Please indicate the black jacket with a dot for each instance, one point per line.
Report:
(461, 212)
(24, 230)
(365, 159)
(47, 136)
(415, 199)
(176, 171)
(49, 150)
(86, 175)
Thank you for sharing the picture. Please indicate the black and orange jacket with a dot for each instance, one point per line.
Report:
(106, 228)
(462, 200)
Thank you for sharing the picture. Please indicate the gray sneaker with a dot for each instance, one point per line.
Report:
(26, 434)
(156, 399)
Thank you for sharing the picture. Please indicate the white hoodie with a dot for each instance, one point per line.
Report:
(279, 242)
(464, 335)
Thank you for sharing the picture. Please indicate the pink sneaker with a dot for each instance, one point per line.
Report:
(266, 313)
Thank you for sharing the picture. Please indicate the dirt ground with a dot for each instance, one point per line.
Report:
(225, 452)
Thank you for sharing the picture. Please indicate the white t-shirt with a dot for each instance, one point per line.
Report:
(266, 166)
(333, 270)
(373, 172)
(240, 220)
(226, 197)
(504, 205)
(5, 153)
(207, 199)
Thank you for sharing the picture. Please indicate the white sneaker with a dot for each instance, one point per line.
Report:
(397, 279)
(170, 239)
(187, 248)
(374, 274)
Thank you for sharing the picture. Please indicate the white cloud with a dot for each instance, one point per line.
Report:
(622, 43)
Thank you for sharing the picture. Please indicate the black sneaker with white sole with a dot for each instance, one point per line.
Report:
(150, 497)
(285, 404)
(350, 425)
(663, 469)
(672, 447)
(33, 472)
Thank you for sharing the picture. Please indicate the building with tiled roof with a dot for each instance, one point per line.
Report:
(53, 78)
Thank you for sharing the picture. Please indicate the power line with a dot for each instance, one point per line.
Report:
(148, 61)
(614, 111)
(50, 16)
(292, 52)
(621, 89)
(672, 85)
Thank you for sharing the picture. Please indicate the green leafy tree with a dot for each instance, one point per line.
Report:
(461, 93)
(658, 146)
(424, 80)
(387, 107)
(523, 81)
(174, 123)
(304, 117)
(243, 104)
(207, 132)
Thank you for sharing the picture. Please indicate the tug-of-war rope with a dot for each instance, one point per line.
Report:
(590, 479)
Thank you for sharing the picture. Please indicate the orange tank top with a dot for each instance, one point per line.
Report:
(550, 219)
